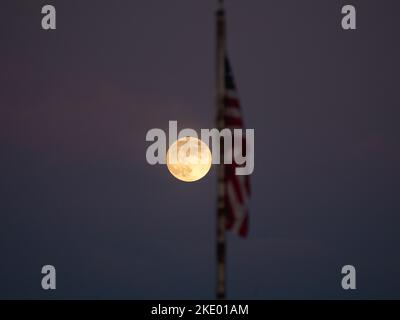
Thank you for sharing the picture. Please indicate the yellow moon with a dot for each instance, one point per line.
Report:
(189, 159)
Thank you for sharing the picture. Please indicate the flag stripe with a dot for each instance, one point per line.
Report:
(237, 187)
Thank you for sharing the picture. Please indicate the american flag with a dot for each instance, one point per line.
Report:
(237, 187)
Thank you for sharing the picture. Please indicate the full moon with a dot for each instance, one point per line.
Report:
(189, 159)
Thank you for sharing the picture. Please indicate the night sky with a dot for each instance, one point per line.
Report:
(76, 191)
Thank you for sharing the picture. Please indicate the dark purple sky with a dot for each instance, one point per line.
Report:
(76, 191)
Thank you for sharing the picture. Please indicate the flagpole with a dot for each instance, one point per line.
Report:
(220, 102)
